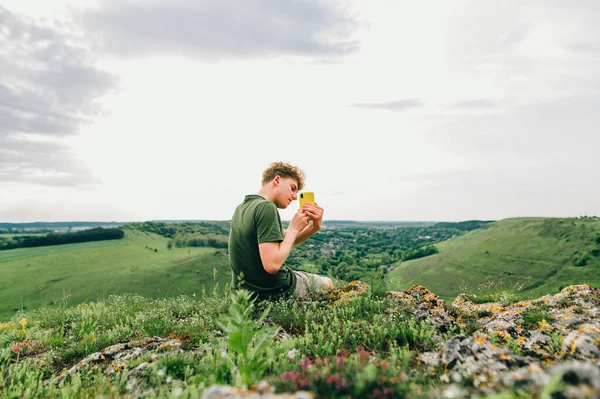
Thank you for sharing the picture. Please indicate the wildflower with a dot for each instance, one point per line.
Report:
(340, 383)
(304, 363)
(573, 345)
(292, 354)
(544, 326)
(304, 383)
(4, 326)
(290, 376)
(385, 366)
(23, 322)
(362, 354)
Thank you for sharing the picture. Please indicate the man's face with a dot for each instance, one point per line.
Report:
(287, 191)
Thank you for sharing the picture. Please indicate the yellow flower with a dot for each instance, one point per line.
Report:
(23, 322)
(544, 326)
(573, 346)
(504, 334)
(521, 340)
(4, 326)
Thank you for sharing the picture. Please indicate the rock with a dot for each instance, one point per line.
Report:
(114, 357)
(452, 350)
(425, 306)
(579, 380)
(262, 390)
(348, 292)
(430, 358)
(580, 346)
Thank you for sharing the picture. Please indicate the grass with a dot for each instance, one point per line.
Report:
(525, 256)
(75, 273)
(348, 350)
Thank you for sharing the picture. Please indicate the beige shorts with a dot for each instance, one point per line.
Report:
(308, 283)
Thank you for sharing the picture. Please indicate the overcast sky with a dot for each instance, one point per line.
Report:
(396, 110)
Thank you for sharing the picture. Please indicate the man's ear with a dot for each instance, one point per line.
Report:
(276, 180)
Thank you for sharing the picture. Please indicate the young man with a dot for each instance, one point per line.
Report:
(258, 245)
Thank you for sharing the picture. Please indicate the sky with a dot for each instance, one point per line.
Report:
(138, 110)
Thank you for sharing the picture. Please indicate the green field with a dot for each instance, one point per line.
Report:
(75, 273)
(528, 256)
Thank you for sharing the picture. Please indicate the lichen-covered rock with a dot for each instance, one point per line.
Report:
(566, 312)
(550, 344)
(425, 306)
(259, 391)
(114, 357)
(576, 380)
(348, 292)
(581, 346)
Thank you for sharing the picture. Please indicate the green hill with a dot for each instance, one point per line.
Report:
(528, 256)
(75, 273)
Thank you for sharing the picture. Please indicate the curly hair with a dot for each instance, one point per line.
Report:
(284, 170)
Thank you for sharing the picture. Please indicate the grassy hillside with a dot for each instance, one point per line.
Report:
(530, 256)
(74, 273)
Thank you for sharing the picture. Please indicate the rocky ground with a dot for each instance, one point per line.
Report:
(550, 342)
(504, 351)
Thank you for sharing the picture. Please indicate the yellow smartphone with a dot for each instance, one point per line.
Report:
(306, 196)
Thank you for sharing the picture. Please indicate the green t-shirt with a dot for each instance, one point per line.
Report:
(255, 221)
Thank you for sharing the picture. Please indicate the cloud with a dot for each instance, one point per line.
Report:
(475, 104)
(397, 105)
(47, 162)
(222, 29)
(48, 91)
(586, 47)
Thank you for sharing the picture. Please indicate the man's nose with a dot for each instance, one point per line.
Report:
(294, 196)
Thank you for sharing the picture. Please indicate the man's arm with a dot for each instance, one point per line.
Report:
(304, 235)
(314, 213)
(274, 254)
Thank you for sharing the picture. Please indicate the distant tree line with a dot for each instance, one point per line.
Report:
(420, 252)
(97, 234)
(39, 226)
(463, 226)
(169, 230)
(181, 240)
(23, 231)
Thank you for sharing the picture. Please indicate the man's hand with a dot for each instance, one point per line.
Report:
(315, 213)
(299, 221)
